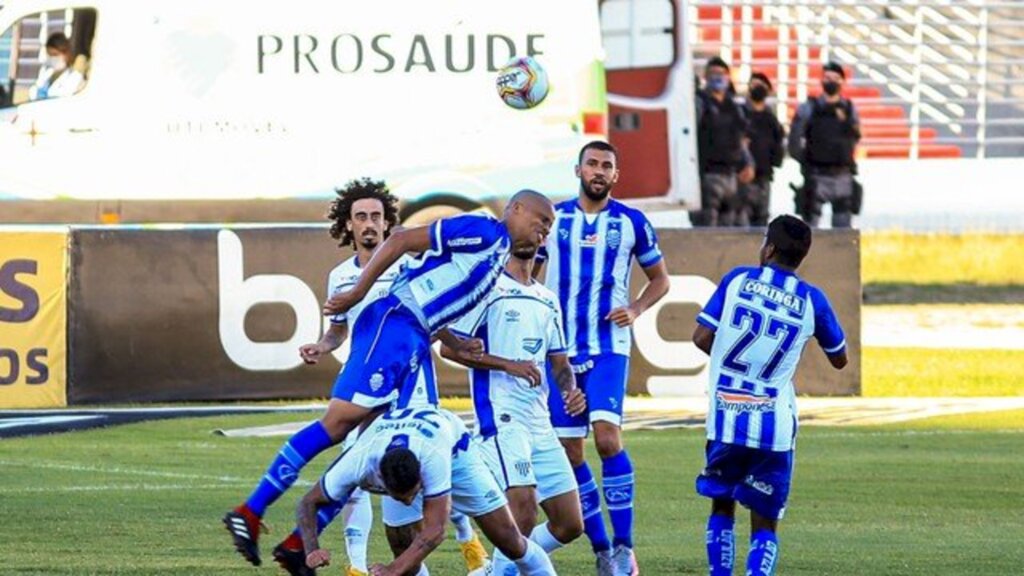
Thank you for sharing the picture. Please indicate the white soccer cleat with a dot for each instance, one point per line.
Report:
(604, 563)
(623, 562)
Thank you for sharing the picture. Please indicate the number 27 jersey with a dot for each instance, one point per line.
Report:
(762, 318)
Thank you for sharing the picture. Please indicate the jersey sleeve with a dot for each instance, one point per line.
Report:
(341, 318)
(466, 233)
(556, 334)
(827, 329)
(466, 325)
(711, 314)
(436, 473)
(646, 249)
(339, 481)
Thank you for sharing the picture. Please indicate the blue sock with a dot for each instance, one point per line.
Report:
(617, 482)
(764, 553)
(721, 541)
(590, 501)
(284, 470)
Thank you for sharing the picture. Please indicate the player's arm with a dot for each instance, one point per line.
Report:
(658, 283)
(408, 240)
(838, 361)
(305, 515)
(470, 348)
(484, 361)
(704, 338)
(328, 343)
(565, 379)
(435, 516)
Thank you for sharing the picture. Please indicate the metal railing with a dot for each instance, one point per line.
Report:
(954, 67)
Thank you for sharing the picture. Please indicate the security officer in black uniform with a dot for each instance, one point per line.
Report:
(721, 146)
(824, 135)
(767, 147)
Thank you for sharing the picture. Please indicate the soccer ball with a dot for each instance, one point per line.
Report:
(522, 83)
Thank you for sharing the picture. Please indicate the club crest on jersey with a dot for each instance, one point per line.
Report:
(614, 238)
(532, 345)
(738, 400)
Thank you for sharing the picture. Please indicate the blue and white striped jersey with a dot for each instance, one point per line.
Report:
(589, 259)
(467, 254)
(515, 322)
(762, 318)
(344, 277)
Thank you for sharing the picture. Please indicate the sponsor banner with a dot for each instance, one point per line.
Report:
(33, 317)
(203, 313)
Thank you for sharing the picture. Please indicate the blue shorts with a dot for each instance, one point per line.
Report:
(603, 380)
(757, 479)
(390, 359)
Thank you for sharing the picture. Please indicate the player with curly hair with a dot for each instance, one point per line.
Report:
(362, 216)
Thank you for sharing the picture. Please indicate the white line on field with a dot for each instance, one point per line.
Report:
(136, 472)
(117, 488)
(116, 470)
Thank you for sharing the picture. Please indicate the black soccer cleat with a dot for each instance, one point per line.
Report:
(293, 561)
(245, 533)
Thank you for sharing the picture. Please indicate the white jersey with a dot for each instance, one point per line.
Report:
(344, 277)
(762, 318)
(516, 322)
(589, 259)
(433, 435)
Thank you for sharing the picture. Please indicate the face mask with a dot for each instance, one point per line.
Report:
(830, 88)
(56, 62)
(718, 83)
(759, 93)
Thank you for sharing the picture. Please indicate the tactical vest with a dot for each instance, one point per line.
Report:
(719, 133)
(826, 143)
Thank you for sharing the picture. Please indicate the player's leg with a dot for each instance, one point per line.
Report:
(358, 519)
(724, 470)
(558, 495)
(476, 493)
(401, 525)
(473, 551)
(765, 490)
(606, 394)
(571, 431)
(370, 379)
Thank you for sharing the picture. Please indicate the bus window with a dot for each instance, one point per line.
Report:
(638, 33)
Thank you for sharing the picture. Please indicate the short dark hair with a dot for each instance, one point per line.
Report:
(399, 470)
(361, 189)
(597, 145)
(834, 67)
(716, 61)
(58, 41)
(791, 237)
(762, 77)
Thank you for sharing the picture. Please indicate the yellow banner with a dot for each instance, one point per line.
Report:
(33, 319)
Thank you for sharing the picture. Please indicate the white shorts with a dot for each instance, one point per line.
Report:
(474, 492)
(517, 457)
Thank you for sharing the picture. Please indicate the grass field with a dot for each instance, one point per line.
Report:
(900, 258)
(940, 497)
(925, 372)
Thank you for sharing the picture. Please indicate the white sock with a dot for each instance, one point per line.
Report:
(358, 517)
(545, 539)
(463, 528)
(423, 571)
(534, 563)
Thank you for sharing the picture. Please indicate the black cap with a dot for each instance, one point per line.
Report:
(833, 67)
(716, 61)
(761, 76)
